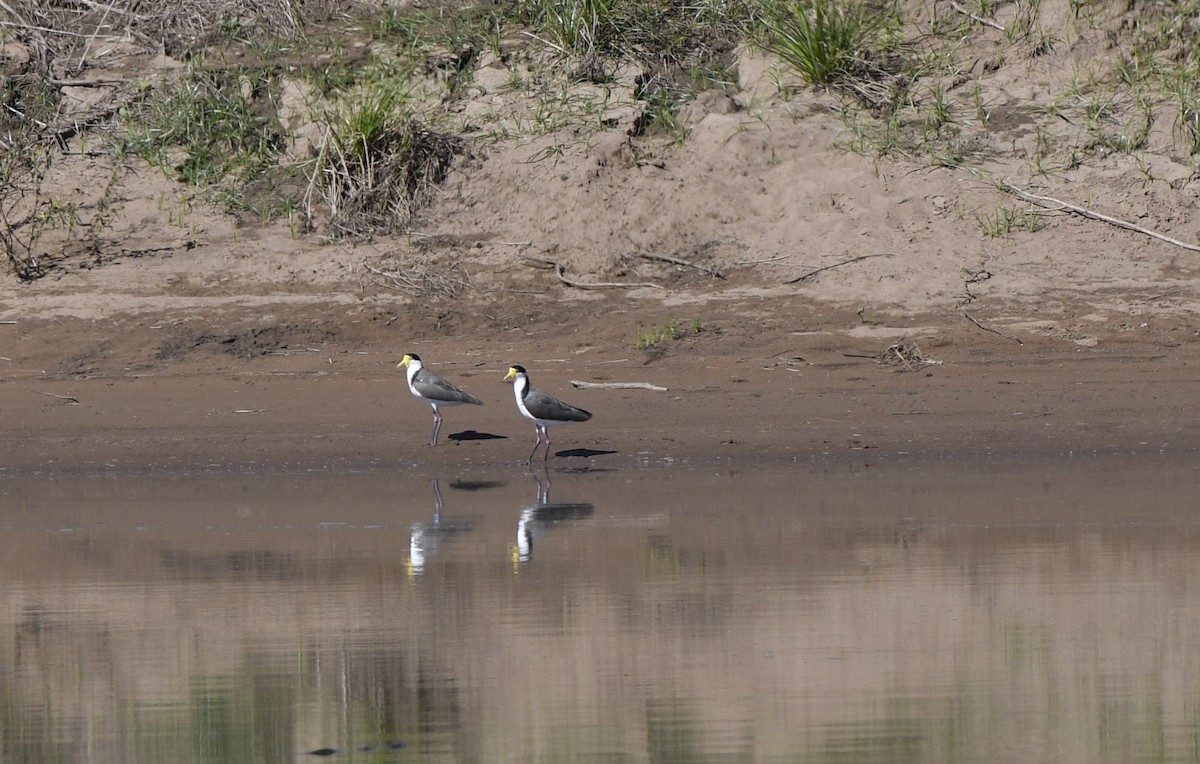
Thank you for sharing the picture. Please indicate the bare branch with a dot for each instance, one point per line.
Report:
(812, 273)
(1058, 204)
(971, 318)
(677, 261)
(560, 271)
(617, 386)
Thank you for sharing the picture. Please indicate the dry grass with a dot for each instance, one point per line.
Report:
(375, 184)
(907, 356)
(62, 34)
(417, 276)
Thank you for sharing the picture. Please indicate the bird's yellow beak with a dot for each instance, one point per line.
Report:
(407, 360)
(512, 374)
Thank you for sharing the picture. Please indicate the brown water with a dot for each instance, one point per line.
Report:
(949, 611)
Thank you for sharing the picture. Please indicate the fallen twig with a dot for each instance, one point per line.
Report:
(88, 83)
(977, 19)
(67, 398)
(775, 259)
(617, 386)
(812, 273)
(1045, 201)
(560, 270)
(677, 261)
(971, 318)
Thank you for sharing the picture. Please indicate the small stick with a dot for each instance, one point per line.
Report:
(775, 259)
(35, 28)
(617, 386)
(977, 19)
(677, 261)
(603, 363)
(971, 318)
(1045, 201)
(560, 271)
(812, 273)
(67, 398)
(87, 83)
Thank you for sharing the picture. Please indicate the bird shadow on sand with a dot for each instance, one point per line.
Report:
(586, 453)
(459, 437)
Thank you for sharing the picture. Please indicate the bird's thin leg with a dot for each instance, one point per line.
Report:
(537, 440)
(437, 502)
(437, 427)
(546, 456)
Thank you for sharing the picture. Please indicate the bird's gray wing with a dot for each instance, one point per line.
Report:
(434, 388)
(545, 406)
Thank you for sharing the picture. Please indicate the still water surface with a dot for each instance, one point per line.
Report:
(919, 611)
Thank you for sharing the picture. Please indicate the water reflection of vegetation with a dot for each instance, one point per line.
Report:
(660, 556)
(673, 732)
(629, 636)
(245, 717)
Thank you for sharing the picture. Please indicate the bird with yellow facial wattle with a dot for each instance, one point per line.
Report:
(541, 408)
(434, 390)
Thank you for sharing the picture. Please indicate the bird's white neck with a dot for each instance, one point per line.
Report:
(413, 368)
(520, 385)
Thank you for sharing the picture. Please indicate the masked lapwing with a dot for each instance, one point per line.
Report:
(543, 409)
(434, 390)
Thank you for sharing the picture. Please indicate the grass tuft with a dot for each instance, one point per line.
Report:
(825, 41)
(214, 128)
(378, 163)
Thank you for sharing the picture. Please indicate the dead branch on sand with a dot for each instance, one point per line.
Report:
(972, 319)
(560, 271)
(71, 399)
(686, 263)
(777, 258)
(1053, 204)
(617, 386)
(812, 273)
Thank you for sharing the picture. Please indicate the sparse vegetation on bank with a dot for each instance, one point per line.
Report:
(378, 97)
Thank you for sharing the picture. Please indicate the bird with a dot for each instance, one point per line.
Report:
(541, 517)
(542, 408)
(427, 538)
(434, 390)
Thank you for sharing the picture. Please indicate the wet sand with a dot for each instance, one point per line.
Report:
(740, 394)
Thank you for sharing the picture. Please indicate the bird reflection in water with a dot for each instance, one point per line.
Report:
(543, 515)
(428, 537)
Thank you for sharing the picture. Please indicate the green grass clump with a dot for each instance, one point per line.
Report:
(1009, 220)
(825, 41)
(657, 338)
(378, 163)
(575, 26)
(213, 128)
